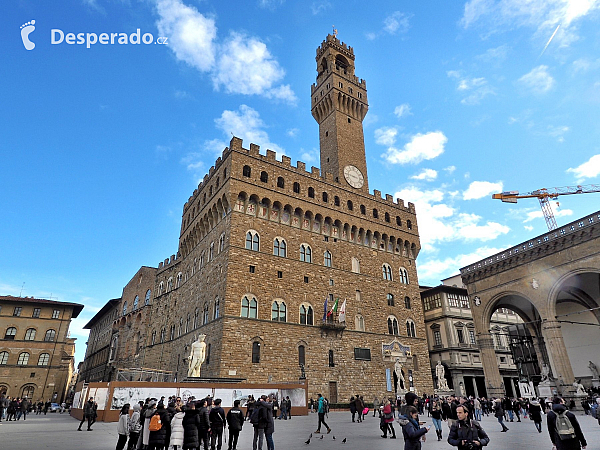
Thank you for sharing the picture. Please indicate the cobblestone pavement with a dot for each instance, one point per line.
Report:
(56, 431)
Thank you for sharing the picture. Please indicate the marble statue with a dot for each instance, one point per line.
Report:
(594, 370)
(545, 372)
(197, 357)
(399, 374)
(580, 388)
(439, 373)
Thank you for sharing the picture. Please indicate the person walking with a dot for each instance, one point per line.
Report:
(321, 409)
(217, 424)
(123, 427)
(387, 420)
(176, 439)
(359, 408)
(535, 414)
(3, 406)
(25, 407)
(467, 434)
(235, 421)
(375, 405)
(288, 406)
(270, 429)
(477, 408)
(516, 407)
(437, 417)
(204, 428)
(135, 426)
(499, 414)
(563, 427)
(249, 406)
(258, 419)
(191, 424)
(413, 434)
(159, 439)
(353, 407)
(87, 413)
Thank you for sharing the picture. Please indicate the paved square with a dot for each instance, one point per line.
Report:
(56, 431)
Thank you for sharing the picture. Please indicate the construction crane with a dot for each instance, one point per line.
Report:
(544, 196)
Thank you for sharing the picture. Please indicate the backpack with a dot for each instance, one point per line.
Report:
(255, 416)
(155, 423)
(564, 428)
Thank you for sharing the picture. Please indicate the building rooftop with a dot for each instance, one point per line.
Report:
(108, 306)
(76, 306)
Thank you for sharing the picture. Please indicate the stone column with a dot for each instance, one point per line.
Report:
(557, 352)
(490, 365)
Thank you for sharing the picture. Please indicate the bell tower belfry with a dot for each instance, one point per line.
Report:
(339, 105)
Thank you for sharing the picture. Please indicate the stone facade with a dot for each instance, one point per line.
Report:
(36, 352)
(263, 243)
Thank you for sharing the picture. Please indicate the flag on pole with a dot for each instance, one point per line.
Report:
(334, 307)
(325, 310)
(342, 316)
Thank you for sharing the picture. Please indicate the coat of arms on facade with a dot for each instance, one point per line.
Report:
(395, 350)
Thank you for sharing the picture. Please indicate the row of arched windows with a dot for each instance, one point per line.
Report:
(136, 302)
(30, 333)
(393, 329)
(249, 309)
(23, 359)
(192, 214)
(264, 178)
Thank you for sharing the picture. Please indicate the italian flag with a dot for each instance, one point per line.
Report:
(333, 308)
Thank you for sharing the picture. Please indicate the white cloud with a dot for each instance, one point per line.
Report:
(481, 189)
(558, 132)
(319, 7)
(439, 222)
(426, 175)
(438, 269)
(396, 22)
(386, 136)
(543, 15)
(494, 55)
(528, 227)
(421, 147)
(270, 4)
(532, 215)
(588, 169)
(450, 169)
(539, 81)
(470, 83)
(247, 125)
(292, 132)
(475, 89)
(310, 156)
(371, 36)
(238, 64)
(403, 110)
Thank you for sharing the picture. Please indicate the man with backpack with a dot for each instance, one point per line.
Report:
(322, 406)
(563, 428)
(235, 420)
(465, 433)
(258, 419)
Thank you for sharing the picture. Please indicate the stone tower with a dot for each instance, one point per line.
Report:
(339, 105)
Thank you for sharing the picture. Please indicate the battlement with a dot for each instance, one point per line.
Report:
(332, 41)
(168, 262)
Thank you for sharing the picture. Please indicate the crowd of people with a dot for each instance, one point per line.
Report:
(13, 408)
(196, 424)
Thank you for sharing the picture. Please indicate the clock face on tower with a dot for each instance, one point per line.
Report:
(354, 177)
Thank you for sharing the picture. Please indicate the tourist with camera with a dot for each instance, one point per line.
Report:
(467, 434)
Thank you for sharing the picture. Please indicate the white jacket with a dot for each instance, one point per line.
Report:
(177, 430)
(123, 425)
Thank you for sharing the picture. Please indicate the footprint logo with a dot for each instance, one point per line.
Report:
(26, 30)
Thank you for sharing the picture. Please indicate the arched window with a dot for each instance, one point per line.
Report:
(409, 224)
(336, 201)
(3, 358)
(246, 171)
(278, 311)
(350, 205)
(387, 272)
(327, 258)
(311, 192)
(23, 359)
(359, 323)
(301, 355)
(249, 307)
(306, 315)
(211, 251)
(279, 247)
(153, 340)
(172, 333)
(390, 300)
(410, 329)
(162, 335)
(44, 359)
(27, 392)
(196, 315)
(280, 182)
(264, 176)
(217, 308)
(177, 281)
(252, 241)
(206, 316)
(305, 253)
(256, 352)
(325, 197)
(30, 334)
(355, 265)
(147, 299)
(363, 210)
(392, 325)
(398, 221)
(187, 323)
(208, 354)
(161, 288)
(136, 300)
(180, 330)
(11, 332)
(375, 213)
(387, 217)
(222, 242)
(407, 302)
(331, 362)
(50, 335)
(125, 307)
(403, 276)
(297, 188)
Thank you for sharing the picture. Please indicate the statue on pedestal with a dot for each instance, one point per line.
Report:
(197, 357)
(579, 387)
(399, 375)
(439, 373)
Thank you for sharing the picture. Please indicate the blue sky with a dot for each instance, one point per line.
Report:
(101, 146)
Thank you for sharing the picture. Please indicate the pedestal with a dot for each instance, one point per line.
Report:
(440, 393)
(212, 380)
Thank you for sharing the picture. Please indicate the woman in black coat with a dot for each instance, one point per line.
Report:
(191, 422)
(535, 414)
(410, 429)
(159, 440)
